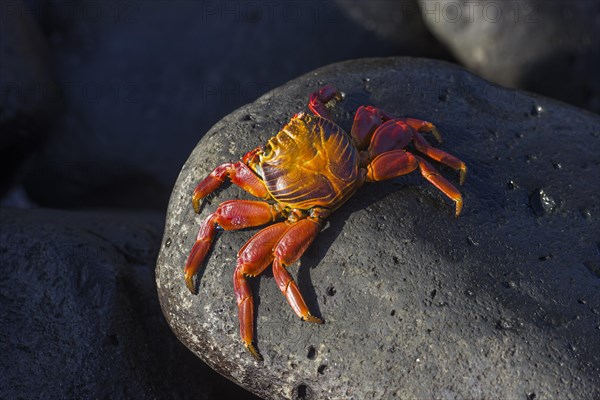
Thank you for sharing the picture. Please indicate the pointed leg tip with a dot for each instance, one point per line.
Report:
(458, 208)
(196, 204)
(436, 133)
(463, 174)
(189, 282)
(313, 319)
(254, 351)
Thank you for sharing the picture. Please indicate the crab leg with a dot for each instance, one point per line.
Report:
(424, 126)
(288, 250)
(391, 164)
(439, 155)
(253, 258)
(239, 174)
(230, 215)
(366, 121)
(433, 176)
(396, 134)
(391, 135)
(394, 163)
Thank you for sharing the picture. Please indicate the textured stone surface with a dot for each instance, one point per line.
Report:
(143, 80)
(79, 314)
(549, 47)
(501, 302)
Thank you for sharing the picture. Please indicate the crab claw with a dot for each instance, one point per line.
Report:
(323, 99)
(239, 174)
(207, 186)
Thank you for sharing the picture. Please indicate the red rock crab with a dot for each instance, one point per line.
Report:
(304, 173)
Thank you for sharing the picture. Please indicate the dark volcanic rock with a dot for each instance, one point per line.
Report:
(144, 80)
(546, 47)
(417, 304)
(29, 97)
(79, 314)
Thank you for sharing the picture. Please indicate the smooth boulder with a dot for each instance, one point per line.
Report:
(545, 47)
(501, 301)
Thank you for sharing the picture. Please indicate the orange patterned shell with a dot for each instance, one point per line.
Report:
(310, 162)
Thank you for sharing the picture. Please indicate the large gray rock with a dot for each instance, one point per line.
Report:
(500, 302)
(549, 47)
(79, 314)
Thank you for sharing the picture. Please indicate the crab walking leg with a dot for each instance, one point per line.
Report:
(230, 215)
(239, 174)
(288, 250)
(424, 126)
(318, 100)
(439, 155)
(441, 183)
(391, 135)
(391, 164)
(253, 258)
(366, 121)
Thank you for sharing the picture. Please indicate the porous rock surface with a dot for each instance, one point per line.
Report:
(501, 302)
(79, 315)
